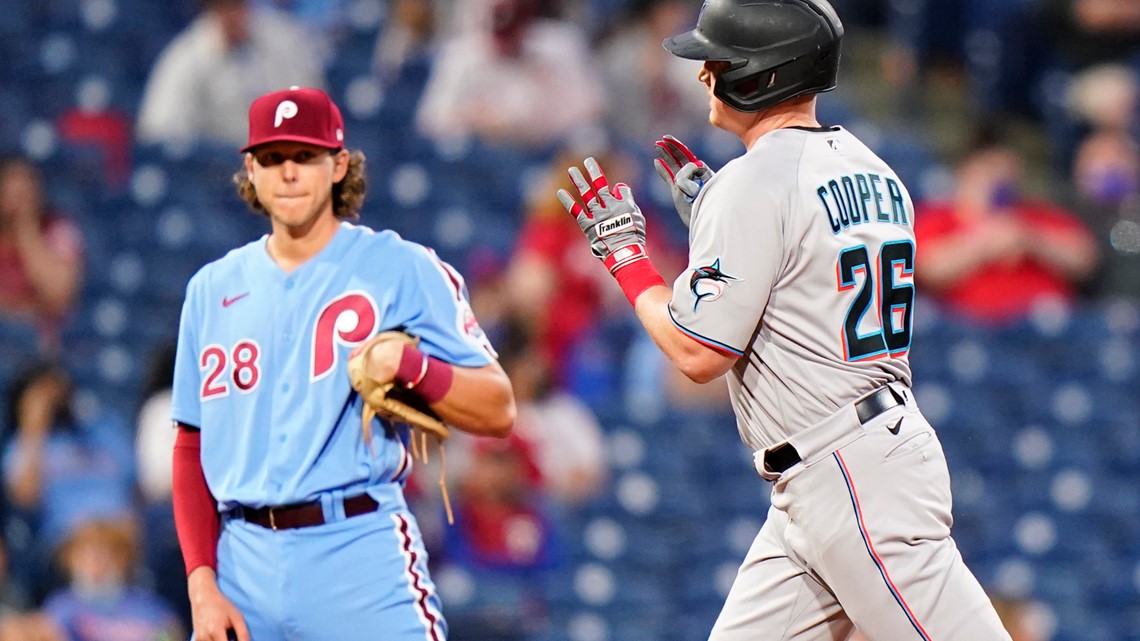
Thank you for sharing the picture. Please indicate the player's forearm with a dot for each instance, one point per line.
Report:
(196, 518)
(480, 401)
(699, 363)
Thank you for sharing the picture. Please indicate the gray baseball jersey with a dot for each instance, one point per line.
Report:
(801, 263)
(801, 253)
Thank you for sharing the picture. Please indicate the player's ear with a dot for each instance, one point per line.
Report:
(249, 166)
(340, 165)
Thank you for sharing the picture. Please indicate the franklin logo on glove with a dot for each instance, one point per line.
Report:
(613, 226)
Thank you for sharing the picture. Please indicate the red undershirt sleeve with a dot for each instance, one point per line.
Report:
(195, 509)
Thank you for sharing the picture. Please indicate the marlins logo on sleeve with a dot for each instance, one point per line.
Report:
(708, 283)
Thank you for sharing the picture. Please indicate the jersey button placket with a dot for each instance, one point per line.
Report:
(286, 334)
(284, 330)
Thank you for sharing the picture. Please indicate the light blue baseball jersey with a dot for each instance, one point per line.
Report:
(260, 367)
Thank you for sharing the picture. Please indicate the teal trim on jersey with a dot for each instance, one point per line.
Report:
(704, 340)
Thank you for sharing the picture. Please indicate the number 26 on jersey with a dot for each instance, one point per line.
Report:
(884, 288)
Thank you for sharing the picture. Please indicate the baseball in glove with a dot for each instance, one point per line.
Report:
(393, 403)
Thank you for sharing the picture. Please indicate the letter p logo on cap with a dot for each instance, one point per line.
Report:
(287, 109)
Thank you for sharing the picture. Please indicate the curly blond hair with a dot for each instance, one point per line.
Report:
(347, 195)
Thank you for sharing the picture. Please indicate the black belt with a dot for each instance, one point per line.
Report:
(779, 458)
(295, 515)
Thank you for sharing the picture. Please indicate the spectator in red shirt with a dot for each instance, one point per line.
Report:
(991, 253)
(41, 252)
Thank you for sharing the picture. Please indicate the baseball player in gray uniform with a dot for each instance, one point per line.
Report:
(800, 290)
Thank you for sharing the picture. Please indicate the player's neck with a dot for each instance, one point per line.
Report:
(794, 113)
(290, 247)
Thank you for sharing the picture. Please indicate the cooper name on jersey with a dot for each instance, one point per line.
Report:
(862, 198)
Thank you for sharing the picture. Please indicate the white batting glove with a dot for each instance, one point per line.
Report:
(685, 174)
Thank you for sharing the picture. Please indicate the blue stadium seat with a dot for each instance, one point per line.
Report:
(986, 533)
(1113, 587)
(17, 18)
(1076, 448)
(18, 346)
(1119, 443)
(749, 495)
(698, 621)
(1077, 621)
(1077, 543)
(696, 586)
(15, 112)
(909, 156)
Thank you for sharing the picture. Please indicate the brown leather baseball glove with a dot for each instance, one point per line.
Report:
(393, 403)
(388, 400)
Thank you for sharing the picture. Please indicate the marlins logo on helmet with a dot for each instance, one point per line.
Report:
(707, 283)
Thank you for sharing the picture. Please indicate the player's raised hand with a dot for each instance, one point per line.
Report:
(215, 618)
(685, 174)
(611, 220)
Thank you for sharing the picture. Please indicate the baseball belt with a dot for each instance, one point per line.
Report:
(783, 456)
(295, 515)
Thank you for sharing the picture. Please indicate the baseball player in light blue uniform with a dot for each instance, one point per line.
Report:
(316, 540)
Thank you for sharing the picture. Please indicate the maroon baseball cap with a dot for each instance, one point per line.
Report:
(298, 115)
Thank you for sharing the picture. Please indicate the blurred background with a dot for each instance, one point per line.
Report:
(624, 502)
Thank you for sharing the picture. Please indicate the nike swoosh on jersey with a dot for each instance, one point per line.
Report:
(226, 302)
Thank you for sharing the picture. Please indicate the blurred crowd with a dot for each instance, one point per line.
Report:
(88, 550)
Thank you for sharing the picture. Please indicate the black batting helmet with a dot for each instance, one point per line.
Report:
(776, 49)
